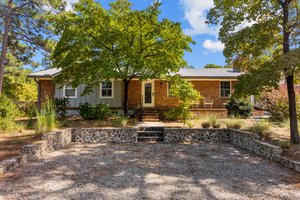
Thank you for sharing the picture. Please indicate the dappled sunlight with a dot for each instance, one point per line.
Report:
(150, 171)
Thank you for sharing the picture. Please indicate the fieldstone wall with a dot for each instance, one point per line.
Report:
(245, 140)
(187, 135)
(56, 140)
(103, 135)
(50, 142)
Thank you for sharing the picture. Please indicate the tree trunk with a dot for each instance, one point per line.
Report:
(7, 24)
(125, 101)
(294, 134)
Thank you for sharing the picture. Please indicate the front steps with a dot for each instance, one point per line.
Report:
(150, 115)
(150, 134)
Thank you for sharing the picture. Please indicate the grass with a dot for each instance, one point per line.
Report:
(214, 121)
(46, 120)
(234, 123)
(262, 128)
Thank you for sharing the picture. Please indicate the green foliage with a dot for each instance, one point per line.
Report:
(8, 112)
(241, 107)
(118, 43)
(212, 66)
(261, 128)
(89, 112)
(17, 86)
(46, 120)
(205, 124)
(187, 96)
(267, 49)
(214, 121)
(276, 102)
(234, 124)
(61, 105)
(120, 122)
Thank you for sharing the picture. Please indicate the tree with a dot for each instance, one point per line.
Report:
(187, 96)
(263, 47)
(212, 66)
(98, 44)
(25, 30)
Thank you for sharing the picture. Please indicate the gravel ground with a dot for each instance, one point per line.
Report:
(151, 171)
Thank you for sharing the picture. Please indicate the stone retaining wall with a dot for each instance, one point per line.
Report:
(56, 140)
(50, 142)
(103, 135)
(187, 135)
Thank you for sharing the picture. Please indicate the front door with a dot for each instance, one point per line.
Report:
(148, 93)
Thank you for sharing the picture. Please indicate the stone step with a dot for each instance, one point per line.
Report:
(150, 116)
(150, 134)
(150, 139)
(150, 128)
(150, 120)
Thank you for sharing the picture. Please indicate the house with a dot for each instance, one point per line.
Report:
(214, 84)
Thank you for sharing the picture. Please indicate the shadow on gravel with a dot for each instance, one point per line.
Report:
(151, 171)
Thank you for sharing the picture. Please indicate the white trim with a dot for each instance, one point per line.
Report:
(69, 97)
(220, 89)
(152, 93)
(168, 94)
(112, 90)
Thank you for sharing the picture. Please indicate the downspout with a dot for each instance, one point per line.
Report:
(39, 93)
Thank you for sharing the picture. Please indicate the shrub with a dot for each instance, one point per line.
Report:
(8, 113)
(214, 121)
(187, 96)
(239, 107)
(234, 124)
(89, 112)
(276, 102)
(61, 105)
(46, 120)
(120, 122)
(205, 124)
(261, 128)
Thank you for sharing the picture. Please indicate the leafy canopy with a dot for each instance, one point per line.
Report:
(120, 43)
(252, 32)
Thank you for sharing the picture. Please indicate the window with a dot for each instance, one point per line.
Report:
(69, 91)
(170, 91)
(106, 89)
(225, 89)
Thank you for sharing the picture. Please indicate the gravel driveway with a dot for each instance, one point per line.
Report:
(151, 171)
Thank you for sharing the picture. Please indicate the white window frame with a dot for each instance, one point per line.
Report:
(168, 94)
(112, 90)
(70, 97)
(220, 93)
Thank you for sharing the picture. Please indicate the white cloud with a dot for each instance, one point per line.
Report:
(69, 4)
(213, 46)
(195, 12)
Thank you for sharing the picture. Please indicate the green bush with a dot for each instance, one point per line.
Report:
(89, 112)
(234, 124)
(46, 120)
(187, 96)
(214, 121)
(239, 107)
(61, 105)
(261, 128)
(8, 113)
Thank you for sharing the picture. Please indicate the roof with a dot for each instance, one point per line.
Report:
(209, 73)
(205, 73)
(48, 73)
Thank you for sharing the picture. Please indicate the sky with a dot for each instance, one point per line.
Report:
(192, 16)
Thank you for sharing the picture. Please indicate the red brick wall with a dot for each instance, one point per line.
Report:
(134, 94)
(209, 89)
(47, 89)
